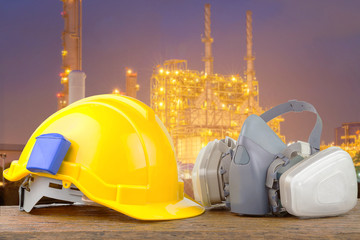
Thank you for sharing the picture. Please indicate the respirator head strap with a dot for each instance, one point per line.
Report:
(298, 106)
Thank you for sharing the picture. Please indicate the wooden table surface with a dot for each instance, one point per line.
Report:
(84, 222)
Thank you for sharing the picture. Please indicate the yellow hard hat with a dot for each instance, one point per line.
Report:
(121, 156)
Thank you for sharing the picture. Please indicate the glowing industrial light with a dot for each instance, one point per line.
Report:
(129, 71)
(223, 105)
(116, 91)
(174, 80)
(64, 79)
(197, 80)
(161, 89)
(161, 104)
(234, 123)
(137, 87)
(176, 72)
(161, 70)
(64, 52)
(68, 70)
(167, 72)
(246, 110)
(233, 79)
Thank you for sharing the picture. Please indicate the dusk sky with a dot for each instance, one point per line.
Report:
(305, 50)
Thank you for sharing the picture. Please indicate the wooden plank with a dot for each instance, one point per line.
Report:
(90, 222)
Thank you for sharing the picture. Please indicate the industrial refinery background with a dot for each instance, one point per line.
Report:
(196, 105)
(200, 106)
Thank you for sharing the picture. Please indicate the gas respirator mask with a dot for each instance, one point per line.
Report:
(260, 175)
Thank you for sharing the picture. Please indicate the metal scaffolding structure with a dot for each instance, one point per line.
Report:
(348, 138)
(198, 107)
(71, 42)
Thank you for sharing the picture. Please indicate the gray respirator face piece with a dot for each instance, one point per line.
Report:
(260, 174)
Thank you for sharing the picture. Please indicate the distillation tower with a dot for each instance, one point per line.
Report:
(131, 83)
(198, 107)
(71, 42)
(131, 87)
(208, 40)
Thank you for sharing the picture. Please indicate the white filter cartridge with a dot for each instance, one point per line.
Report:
(322, 185)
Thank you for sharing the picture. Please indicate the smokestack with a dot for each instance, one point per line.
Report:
(250, 72)
(207, 40)
(76, 86)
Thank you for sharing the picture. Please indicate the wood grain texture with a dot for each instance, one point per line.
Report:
(93, 222)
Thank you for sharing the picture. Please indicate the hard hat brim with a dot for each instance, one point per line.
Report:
(184, 208)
